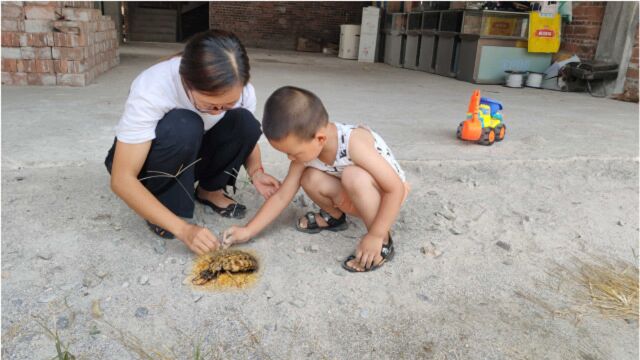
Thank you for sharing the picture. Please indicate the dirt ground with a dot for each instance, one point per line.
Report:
(477, 241)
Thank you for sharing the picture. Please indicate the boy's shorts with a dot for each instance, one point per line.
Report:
(346, 205)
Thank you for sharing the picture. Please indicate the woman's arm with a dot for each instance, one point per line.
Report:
(270, 209)
(127, 163)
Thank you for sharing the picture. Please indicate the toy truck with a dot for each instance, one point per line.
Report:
(484, 123)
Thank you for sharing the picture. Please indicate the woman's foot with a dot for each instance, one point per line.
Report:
(221, 203)
(315, 222)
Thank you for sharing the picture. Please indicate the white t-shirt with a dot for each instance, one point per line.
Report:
(155, 92)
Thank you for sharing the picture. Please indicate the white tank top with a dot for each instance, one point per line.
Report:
(343, 159)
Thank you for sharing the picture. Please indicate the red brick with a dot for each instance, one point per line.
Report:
(594, 12)
(40, 12)
(41, 79)
(81, 14)
(32, 53)
(61, 39)
(70, 66)
(9, 65)
(44, 66)
(26, 66)
(12, 25)
(66, 53)
(11, 53)
(74, 27)
(10, 11)
(10, 38)
(28, 53)
(55, 3)
(61, 66)
(72, 79)
(39, 39)
(38, 26)
(43, 53)
(632, 73)
(14, 78)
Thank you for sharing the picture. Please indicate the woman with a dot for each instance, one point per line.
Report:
(188, 119)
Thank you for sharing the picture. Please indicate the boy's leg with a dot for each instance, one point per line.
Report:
(324, 190)
(364, 193)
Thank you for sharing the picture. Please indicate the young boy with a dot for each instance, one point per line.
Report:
(344, 169)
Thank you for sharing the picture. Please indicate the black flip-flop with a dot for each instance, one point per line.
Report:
(160, 231)
(333, 223)
(386, 253)
(234, 211)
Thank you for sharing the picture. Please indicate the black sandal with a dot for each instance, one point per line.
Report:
(234, 211)
(333, 223)
(386, 253)
(160, 231)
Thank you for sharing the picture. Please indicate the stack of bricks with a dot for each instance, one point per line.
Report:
(631, 83)
(56, 43)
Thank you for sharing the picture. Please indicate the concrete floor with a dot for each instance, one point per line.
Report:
(564, 183)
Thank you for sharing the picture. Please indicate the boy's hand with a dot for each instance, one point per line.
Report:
(235, 235)
(266, 184)
(368, 252)
(199, 239)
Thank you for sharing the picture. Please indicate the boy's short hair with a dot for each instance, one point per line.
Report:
(292, 110)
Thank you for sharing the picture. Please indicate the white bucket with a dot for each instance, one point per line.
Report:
(534, 80)
(515, 79)
(349, 41)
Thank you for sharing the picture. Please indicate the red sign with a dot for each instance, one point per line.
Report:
(546, 33)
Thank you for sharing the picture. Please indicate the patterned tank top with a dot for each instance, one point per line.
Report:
(342, 155)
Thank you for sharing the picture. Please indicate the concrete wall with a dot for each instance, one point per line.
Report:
(277, 25)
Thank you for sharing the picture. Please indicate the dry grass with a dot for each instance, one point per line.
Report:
(609, 286)
(62, 350)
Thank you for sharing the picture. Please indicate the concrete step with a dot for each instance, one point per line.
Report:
(154, 29)
(155, 12)
(152, 37)
(153, 21)
(157, 25)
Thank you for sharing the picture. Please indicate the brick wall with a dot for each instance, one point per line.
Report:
(631, 84)
(581, 38)
(56, 43)
(581, 35)
(277, 25)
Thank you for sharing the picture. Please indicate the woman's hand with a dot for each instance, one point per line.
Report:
(235, 235)
(199, 239)
(266, 184)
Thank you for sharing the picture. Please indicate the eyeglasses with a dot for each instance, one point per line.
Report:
(212, 107)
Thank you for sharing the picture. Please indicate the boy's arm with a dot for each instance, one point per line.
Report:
(364, 154)
(270, 209)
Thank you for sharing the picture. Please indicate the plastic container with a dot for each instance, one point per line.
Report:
(349, 41)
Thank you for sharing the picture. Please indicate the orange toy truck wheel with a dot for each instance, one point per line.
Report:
(488, 137)
(500, 131)
(459, 131)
